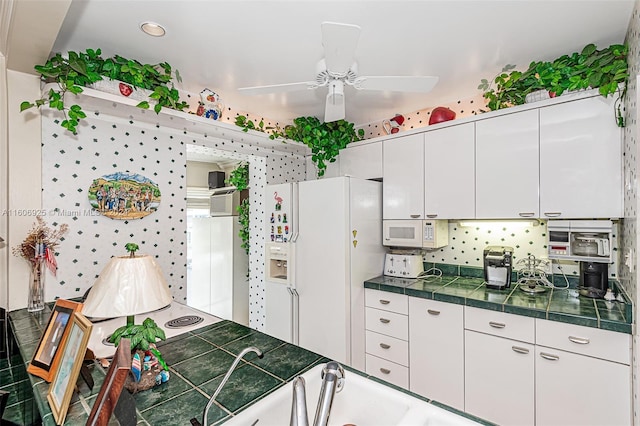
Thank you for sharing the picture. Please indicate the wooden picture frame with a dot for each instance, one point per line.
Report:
(112, 386)
(72, 354)
(47, 355)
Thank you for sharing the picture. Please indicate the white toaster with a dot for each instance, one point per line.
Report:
(403, 265)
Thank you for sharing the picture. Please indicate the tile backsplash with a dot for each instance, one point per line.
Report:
(466, 245)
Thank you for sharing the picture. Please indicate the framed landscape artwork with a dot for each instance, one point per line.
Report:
(124, 196)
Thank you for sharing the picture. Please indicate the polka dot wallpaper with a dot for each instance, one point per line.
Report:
(629, 256)
(108, 143)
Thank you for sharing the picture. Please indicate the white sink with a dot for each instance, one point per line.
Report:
(361, 402)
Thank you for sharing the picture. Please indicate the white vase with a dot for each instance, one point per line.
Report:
(536, 96)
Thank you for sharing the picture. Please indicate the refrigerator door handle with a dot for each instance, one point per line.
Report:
(291, 313)
(294, 322)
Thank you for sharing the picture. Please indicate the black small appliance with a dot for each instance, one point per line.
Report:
(594, 279)
(216, 180)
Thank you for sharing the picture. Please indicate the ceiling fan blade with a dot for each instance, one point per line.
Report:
(340, 42)
(287, 87)
(334, 107)
(397, 83)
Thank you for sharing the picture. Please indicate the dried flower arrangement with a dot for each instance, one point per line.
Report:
(41, 243)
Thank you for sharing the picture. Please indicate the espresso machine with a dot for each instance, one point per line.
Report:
(497, 266)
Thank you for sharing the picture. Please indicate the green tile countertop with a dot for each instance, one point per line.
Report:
(555, 304)
(197, 362)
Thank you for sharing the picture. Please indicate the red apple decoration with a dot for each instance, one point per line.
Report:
(440, 114)
(125, 89)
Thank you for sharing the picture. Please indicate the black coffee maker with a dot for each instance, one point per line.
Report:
(594, 279)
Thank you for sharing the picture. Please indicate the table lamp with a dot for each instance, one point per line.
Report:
(127, 286)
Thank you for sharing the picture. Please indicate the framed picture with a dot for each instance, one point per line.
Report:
(112, 386)
(47, 355)
(64, 380)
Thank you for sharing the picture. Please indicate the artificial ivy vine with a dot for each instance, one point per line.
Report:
(239, 177)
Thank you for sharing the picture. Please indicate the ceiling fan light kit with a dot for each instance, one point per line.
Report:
(339, 68)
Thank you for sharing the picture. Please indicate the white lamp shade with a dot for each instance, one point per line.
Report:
(127, 286)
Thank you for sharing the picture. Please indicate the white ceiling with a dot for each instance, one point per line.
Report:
(223, 45)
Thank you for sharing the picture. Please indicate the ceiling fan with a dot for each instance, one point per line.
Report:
(338, 68)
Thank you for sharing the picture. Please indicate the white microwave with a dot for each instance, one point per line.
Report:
(415, 233)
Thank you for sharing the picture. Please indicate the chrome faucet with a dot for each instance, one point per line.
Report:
(332, 382)
(226, 377)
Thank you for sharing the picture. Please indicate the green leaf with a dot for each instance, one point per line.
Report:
(157, 108)
(26, 105)
(143, 105)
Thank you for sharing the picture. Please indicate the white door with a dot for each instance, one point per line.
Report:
(403, 169)
(507, 166)
(499, 376)
(199, 272)
(221, 290)
(321, 276)
(366, 256)
(575, 389)
(580, 160)
(279, 312)
(449, 192)
(436, 351)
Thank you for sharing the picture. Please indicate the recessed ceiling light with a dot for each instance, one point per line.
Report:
(153, 29)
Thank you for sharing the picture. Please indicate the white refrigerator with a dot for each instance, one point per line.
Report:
(334, 243)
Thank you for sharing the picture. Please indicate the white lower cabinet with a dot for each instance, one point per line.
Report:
(583, 376)
(499, 376)
(436, 352)
(387, 331)
(574, 389)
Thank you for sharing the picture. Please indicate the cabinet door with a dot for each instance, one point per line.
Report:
(362, 161)
(507, 166)
(576, 389)
(449, 191)
(402, 187)
(436, 351)
(580, 160)
(499, 376)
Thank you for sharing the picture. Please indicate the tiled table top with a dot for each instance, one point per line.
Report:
(197, 361)
(564, 305)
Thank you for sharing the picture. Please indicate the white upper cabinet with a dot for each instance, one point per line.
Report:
(362, 161)
(507, 166)
(449, 172)
(580, 160)
(403, 169)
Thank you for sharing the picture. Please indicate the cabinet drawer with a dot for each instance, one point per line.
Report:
(392, 302)
(389, 348)
(500, 324)
(387, 323)
(388, 371)
(589, 341)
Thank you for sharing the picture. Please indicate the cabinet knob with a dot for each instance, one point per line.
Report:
(432, 216)
(550, 357)
(384, 346)
(527, 214)
(384, 302)
(414, 216)
(385, 371)
(552, 214)
(385, 321)
(497, 324)
(579, 340)
(433, 312)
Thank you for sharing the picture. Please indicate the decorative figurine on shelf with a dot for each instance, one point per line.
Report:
(210, 105)
(392, 126)
(441, 114)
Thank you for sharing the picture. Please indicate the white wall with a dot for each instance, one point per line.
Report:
(4, 132)
(24, 178)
